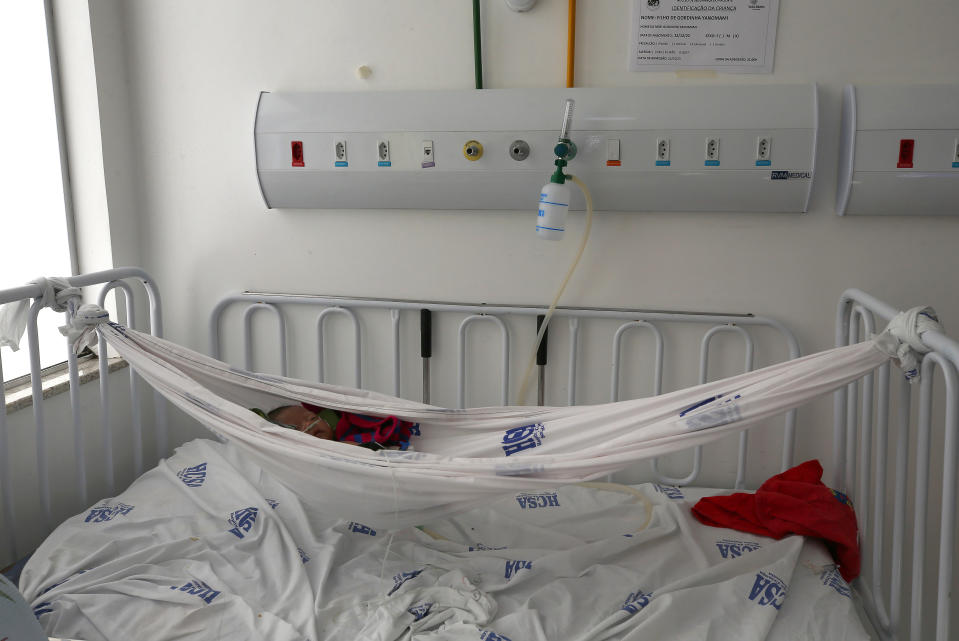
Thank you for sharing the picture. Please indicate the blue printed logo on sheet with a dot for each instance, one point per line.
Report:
(831, 578)
(525, 437)
(731, 549)
(512, 567)
(637, 601)
(420, 611)
(359, 528)
(199, 589)
(303, 556)
(531, 501)
(41, 609)
(105, 512)
(670, 491)
(273, 503)
(193, 476)
(479, 547)
(59, 583)
(489, 635)
(403, 577)
(242, 521)
(768, 589)
(712, 412)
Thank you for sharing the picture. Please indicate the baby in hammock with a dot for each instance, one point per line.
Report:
(373, 432)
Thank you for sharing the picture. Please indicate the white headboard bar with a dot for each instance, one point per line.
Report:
(868, 488)
(737, 323)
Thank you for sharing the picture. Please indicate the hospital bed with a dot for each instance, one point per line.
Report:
(881, 456)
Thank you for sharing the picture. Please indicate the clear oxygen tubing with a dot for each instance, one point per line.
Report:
(570, 43)
(524, 385)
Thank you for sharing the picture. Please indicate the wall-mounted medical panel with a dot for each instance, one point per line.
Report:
(676, 148)
(899, 150)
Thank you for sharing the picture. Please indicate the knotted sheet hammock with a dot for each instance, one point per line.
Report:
(462, 458)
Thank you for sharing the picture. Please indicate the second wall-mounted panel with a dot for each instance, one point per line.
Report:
(899, 151)
(747, 148)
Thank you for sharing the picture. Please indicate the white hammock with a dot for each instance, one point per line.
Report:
(466, 457)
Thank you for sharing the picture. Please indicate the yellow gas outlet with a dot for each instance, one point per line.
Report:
(473, 150)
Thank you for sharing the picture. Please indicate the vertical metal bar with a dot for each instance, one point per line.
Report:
(899, 503)
(922, 495)
(136, 414)
(617, 357)
(573, 360)
(6, 480)
(78, 441)
(320, 324)
(461, 380)
(106, 423)
(865, 437)
(947, 528)
(879, 515)
(840, 401)
(248, 335)
(36, 385)
(852, 416)
(395, 322)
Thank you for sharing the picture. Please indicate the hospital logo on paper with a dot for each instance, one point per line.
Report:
(104, 513)
(730, 549)
(768, 589)
(521, 438)
(193, 476)
(537, 500)
(512, 567)
(198, 589)
(637, 601)
(242, 521)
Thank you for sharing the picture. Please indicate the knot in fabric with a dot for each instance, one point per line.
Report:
(57, 293)
(902, 338)
(81, 324)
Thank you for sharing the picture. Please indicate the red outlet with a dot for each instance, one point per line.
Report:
(296, 147)
(906, 149)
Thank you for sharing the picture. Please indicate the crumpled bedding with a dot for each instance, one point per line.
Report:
(209, 546)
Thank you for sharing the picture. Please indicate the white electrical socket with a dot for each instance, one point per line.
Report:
(339, 151)
(428, 160)
(383, 150)
(712, 149)
(764, 148)
(662, 149)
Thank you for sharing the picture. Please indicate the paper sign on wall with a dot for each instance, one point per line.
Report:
(732, 36)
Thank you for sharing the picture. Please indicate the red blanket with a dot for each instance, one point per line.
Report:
(793, 502)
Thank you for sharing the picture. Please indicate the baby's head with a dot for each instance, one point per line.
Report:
(301, 419)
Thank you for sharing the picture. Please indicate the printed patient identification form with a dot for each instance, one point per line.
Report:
(732, 36)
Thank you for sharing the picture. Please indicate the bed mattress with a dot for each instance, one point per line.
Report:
(209, 546)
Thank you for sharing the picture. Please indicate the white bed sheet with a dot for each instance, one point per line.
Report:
(208, 546)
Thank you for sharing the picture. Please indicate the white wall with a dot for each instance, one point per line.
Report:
(194, 71)
(191, 73)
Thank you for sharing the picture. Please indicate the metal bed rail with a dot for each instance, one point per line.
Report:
(111, 279)
(494, 315)
(862, 417)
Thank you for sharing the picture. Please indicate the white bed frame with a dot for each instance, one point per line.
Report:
(860, 456)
